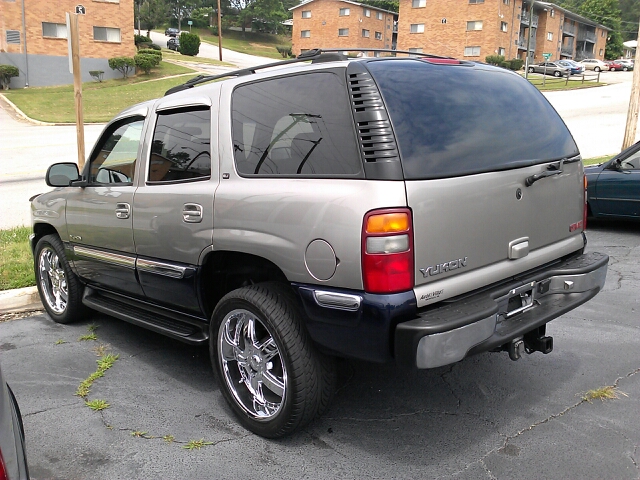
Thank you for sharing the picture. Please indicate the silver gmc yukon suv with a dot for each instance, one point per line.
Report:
(416, 210)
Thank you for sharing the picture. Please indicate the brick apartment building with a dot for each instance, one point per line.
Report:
(474, 29)
(33, 37)
(341, 23)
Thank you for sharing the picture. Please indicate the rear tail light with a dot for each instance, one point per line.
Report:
(585, 207)
(3, 470)
(387, 251)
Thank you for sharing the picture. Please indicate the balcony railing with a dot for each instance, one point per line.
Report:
(586, 35)
(569, 29)
(522, 43)
(567, 50)
(524, 19)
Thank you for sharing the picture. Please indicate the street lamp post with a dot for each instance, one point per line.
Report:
(526, 61)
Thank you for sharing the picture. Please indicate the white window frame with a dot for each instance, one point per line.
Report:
(473, 25)
(344, 12)
(416, 28)
(108, 32)
(504, 26)
(550, 36)
(343, 32)
(472, 51)
(365, 33)
(418, 3)
(501, 51)
(378, 15)
(378, 35)
(60, 30)
(306, 14)
(305, 33)
(366, 12)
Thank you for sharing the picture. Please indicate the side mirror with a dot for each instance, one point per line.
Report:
(62, 174)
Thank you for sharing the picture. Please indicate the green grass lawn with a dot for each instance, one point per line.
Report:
(101, 101)
(171, 55)
(596, 160)
(260, 44)
(16, 261)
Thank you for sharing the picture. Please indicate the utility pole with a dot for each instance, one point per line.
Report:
(74, 42)
(526, 62)
(219, 31)
(632, 113)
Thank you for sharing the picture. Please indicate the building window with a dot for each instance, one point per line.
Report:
(415, 50)
(550, 36)
(603, 34)
(552, 13)
(106, 34)
(378, 35)
(417, 28)
(306, 14)
(475, 25)
(13, 37)
(54, 30)
(379, 15)
(506, 2)
(418, 3)
(366, 12)
(601, 52)
(343, 32)
(365, 33)
(471, 51)
(475, 1)
(344, 12)
(501, 51)
(305, 33)
(503, 26)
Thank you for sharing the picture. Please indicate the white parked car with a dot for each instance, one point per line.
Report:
(594, 64)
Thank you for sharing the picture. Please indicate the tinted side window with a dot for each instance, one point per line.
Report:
(181, 146)
(459, 120)
(115, 160)
(295, 126)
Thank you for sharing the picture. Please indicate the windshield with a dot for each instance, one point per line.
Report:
(458, 120)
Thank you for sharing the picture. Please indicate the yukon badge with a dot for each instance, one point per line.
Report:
(443, 267)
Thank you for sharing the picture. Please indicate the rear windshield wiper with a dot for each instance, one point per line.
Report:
(551, 170)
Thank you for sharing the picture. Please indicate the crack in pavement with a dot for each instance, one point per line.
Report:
(446, 382)
(49, 409)
(486, 469)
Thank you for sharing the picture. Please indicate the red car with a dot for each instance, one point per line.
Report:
(614, 65)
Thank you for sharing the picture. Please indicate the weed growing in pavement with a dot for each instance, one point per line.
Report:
(101, 350)
(139, 434)
(169, 438)
(196, 444)
(603, 393)
(97, 405)
(60, 342)
(88, 336)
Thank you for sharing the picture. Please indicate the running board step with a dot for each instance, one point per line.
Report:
(173, 324)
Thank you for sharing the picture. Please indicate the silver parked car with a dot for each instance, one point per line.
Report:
(13, 457)
(399, 221)
(594, 64)
(550, 68)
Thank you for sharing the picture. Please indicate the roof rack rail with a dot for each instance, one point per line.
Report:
(316, 55)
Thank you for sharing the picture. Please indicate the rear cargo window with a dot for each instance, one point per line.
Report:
(459, 120)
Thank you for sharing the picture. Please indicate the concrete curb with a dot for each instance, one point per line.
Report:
(20, 300)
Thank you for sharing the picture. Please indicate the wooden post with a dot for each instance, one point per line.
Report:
(77, 85)
(219, 31)
(632, 114)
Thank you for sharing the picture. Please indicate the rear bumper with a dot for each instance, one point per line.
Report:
(479, 323)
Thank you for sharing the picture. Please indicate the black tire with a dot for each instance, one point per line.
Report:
(597, 69)
(530, 69)
(624, 69)
(278, 360)
(557, 74)
(59, 288)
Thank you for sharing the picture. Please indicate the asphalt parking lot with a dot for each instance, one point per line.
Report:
(485, 417)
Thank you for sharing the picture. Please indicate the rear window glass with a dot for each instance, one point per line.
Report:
(458, 120)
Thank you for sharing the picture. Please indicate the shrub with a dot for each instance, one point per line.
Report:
(146, 62)
(189, 44)
(214, 30)
(125, 65)
(6, 72)
(138, 39)
(284, 50)
(516, 64)
(155, 47)
(494, 59)
(150, 51)
(97, 75)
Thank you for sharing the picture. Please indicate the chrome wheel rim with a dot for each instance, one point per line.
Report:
(252, 365)
(53, 282)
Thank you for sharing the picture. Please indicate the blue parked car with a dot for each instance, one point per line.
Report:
(574, 67)
(613, 187)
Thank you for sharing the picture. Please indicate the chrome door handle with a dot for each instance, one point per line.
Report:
(192, 213)
(123, 210)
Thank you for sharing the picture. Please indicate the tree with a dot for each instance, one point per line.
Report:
(630, 11)
(152, 14)
(606, 12)
(181, 9)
